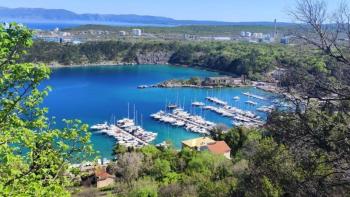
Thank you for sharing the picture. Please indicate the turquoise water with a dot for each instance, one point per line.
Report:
(96, 94)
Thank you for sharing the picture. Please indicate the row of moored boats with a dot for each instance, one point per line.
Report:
(180, 118)
(126, 132)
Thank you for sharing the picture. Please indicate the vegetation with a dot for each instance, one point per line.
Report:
(301, 152)
(166, 172)
(33, 155)
(253, 60)
(200, 30)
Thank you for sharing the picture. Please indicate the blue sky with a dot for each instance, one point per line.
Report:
(221, 10)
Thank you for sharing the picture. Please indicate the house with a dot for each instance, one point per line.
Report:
(220, 148)
(218, 80)
(97, 176)
(205, 143)
(103, 179)
(222, 81)
(198, 144)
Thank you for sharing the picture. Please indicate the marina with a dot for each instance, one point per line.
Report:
(180, 118)
(216, 100)
(126, 133)
(254, 96)
(240, 117)
(94, 94)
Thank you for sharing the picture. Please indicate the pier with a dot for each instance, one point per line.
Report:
(254, 96)
(241, 117)
(183, 119)
(126, 133)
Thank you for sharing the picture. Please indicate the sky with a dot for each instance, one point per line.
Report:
(218, 10)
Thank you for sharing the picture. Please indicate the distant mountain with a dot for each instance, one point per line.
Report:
(61, 15)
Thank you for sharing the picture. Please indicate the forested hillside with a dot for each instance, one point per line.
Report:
(253, 60)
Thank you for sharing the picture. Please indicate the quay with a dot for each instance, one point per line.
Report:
(126, 133)
(254, 96)
(181, 118)
(216, 100)
(241, 117)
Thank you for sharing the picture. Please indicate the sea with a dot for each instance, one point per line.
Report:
(98, 94)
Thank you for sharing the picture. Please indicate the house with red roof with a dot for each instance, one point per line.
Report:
(220, 148)
(206, 143)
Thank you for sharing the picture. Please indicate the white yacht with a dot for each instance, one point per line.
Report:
(236, 98)
(251, 102)
(98, 127)
(198, 104)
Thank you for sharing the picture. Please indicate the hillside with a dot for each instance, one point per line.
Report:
(59, 15)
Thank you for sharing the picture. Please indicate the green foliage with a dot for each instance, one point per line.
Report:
(269, 190)
(119, 149)
(144, 188)
(202, 30)
(236, 138)
(33, 155)
(161, 168)
(253, 60)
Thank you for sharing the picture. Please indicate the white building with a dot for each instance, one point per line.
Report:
(66, 34)
(122, 33)
(222, 38)
(242, 33)
(6, 25)
(258, 35)
(248, 34)
(137, 32)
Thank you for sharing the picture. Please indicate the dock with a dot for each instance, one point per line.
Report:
(126, 133)
(241, 117)
(216, 100)
(254, 96)
(181, 118)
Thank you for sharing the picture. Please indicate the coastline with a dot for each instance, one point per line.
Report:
(106, 63)
(111, 63)
(269, 88)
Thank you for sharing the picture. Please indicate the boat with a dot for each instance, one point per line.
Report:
(254, 96)
(172, 106)
(251, 102)
(179, 123)
(180, 118)
(142, 86)
(198, 104)
(236, 98)
(267, 109)
(124, 123)
(216, 100)
(99, 127)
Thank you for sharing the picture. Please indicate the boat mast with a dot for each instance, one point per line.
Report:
(134, 113)
(136, 118)
(141, 121)
(128, 110)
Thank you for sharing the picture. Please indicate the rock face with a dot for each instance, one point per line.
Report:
(153, 57)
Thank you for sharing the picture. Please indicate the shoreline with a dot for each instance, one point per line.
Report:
(106, 63)
(268, 88)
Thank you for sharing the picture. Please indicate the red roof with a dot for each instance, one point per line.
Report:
(219, 147)
(102, 174)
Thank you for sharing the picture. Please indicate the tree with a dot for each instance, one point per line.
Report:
(272, 171)
(129, 166)
(161, 168)
(326, 31)
(235, 138)
(33, 154)
(144, 188)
